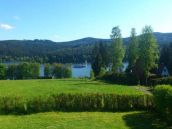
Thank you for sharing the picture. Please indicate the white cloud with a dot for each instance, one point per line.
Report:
(16, 17)
(6, 26)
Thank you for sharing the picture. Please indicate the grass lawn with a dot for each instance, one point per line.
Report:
(82, 120)
(32, 88)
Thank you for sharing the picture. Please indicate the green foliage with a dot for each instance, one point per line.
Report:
(148, 51)
(2, 72)
(67, 72)
(163, 101)
(166, 56)
(27, 71)
(11, 72)
(120, 78)
(92, 74)
(76, 102)
(47, 70)
(133, 50)
(61, 71)
(160, 81)
(57, 70)
(118, 50)
(100, 58)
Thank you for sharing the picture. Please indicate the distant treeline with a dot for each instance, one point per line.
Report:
(32, 71)
(43, 52)
(46, 51)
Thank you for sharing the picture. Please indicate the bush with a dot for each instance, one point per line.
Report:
(120, 78)
(76, 102)
(2, 72)
(61, 71)
(160, 81)
(163, 101)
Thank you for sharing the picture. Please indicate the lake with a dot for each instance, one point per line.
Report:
(76, 72)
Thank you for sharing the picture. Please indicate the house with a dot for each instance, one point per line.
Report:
(163, 71)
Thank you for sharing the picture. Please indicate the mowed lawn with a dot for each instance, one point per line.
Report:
(83, 120)
(32, 88)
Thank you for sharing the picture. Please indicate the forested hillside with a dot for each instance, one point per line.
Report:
(64, 52)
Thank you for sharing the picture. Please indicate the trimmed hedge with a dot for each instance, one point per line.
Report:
(76, 102)
(163, 101)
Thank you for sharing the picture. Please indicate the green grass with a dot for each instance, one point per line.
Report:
(33, 88)
(83, 120)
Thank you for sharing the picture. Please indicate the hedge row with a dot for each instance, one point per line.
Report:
(76, 102)
(163, 101)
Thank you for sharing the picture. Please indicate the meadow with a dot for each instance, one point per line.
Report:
(33, 96)
(34, 88)
(74, 104)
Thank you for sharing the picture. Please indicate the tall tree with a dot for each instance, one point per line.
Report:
(148, 51)
(97, 61)
(133, 49)
(118, 51)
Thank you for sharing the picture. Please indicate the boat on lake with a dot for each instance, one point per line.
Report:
(79, 66)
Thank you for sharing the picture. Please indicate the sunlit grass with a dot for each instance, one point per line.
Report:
(82, 120)
(32, 88)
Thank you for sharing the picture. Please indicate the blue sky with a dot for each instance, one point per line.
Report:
(63, 20)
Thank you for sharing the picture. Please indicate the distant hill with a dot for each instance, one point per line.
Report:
(49, 51)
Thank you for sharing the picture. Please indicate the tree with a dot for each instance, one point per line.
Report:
(34, 70)
(133, 49)
(2, 72)
(67, 72)
(57, 70)
(148, 52)
(47, 71)
(100, 59)
(166, 56)
(11, 72)
(118, 50)
(61, 71)
(97, 61)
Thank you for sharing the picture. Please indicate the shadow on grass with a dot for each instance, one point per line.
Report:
(144, 120)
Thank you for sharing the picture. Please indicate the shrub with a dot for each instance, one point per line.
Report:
(160, 81)
(120, 78)
(2, 72)
(61, 71)
(91, 74)
(163, 101)
(76, 102)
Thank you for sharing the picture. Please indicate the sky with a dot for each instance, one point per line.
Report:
(65, 20)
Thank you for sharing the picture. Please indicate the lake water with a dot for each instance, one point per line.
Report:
(76, 72)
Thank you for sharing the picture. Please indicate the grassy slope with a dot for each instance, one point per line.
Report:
(82, 120)
(31, 88)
